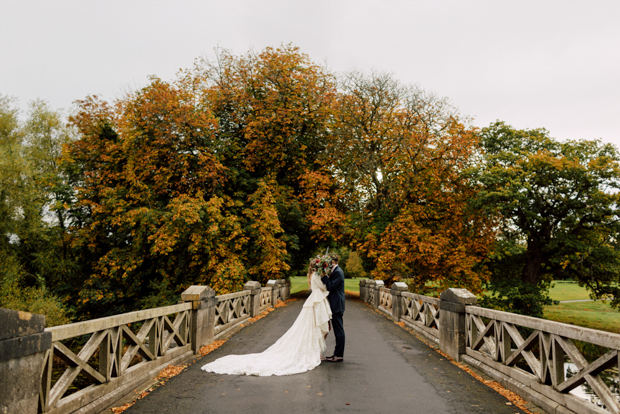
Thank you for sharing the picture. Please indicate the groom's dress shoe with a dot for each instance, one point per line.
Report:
(334, 359)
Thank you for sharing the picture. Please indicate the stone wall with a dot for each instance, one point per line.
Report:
(23, 343)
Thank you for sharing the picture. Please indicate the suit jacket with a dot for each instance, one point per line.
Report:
(335, 286)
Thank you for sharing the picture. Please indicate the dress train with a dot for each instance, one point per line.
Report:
(298, 350)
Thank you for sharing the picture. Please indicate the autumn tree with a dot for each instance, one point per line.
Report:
(197, 181)
(401, 155)
(274, 110)
(267, 253)
(147, 177)
(559, 207)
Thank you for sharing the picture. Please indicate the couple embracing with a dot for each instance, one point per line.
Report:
(299, 349)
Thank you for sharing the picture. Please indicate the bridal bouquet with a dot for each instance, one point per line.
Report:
(324, 264)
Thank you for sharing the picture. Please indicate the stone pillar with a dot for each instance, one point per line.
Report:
(288, 288)
(397, 301)
(254, 288)
(23, 342)
(453, 332)
(282, 288)
(377, 299)
(370, 290)
(203, 315)
(363, 290)
(273, 284)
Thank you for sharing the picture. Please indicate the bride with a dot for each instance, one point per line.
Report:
(298, 350)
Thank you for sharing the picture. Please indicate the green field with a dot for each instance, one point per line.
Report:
(568, 291)
(595, 315)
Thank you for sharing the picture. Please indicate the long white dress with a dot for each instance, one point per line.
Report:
(298, 350)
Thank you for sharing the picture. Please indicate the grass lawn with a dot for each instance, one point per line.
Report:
(299, 283)
(595, 315)
(568, 291)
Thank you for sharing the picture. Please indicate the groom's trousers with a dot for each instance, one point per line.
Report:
(338, 333)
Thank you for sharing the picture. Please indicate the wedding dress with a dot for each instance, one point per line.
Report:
(298, 350)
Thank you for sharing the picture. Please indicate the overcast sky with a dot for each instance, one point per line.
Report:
(540, 63)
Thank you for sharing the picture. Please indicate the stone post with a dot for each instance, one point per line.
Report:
(397, 300)
(288, 288)
(377, 299)
(370, 290)
(274, 291)
(363, 290)
(282, 288)
(203, 315)
(453, 332)
(254, 288)
(23, 342)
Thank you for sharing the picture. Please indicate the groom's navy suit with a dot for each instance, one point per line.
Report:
(335, 286)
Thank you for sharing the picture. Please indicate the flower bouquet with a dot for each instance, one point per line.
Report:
(324, 265)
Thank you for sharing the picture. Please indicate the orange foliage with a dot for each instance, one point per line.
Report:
(401, 157)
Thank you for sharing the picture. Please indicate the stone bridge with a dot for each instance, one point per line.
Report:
(87, 367)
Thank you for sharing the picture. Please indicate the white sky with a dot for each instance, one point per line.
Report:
(531, 63)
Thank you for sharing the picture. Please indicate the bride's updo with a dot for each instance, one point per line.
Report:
(315, 263)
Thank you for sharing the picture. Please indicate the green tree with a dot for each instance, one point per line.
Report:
(558, 206)
(30, 242)
(354, 266)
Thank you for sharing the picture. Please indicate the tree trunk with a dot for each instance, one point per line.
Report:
(534, 260)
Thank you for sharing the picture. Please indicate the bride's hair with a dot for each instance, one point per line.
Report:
(314, 265)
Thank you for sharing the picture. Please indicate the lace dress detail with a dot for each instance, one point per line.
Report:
(298, 350)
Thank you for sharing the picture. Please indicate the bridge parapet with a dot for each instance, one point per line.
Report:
(526, 355)
(23, 343)
(87, 366)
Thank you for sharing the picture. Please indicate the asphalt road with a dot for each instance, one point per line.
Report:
(386, 370)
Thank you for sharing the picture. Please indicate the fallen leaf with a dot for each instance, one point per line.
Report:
(210, 348)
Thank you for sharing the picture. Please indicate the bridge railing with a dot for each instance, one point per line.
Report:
(124, 347)
(537, 355)
(87, 366)
(422, 314)
(265, 297)
(231, 309)
(527, 355)
(385, 300)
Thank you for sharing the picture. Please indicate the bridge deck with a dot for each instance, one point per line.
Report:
(386, 369)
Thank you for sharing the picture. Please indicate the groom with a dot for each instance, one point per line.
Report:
(335, 286)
